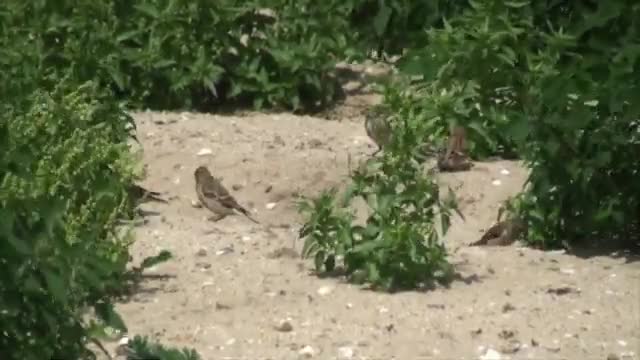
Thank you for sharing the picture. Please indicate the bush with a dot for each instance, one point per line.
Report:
(65, 166)
(398, 247)
(175, 54)
(556, 83)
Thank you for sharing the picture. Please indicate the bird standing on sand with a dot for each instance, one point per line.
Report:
(140, 194)
(213, 195)
(378, 128)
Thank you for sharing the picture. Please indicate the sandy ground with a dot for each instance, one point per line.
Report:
(226, 294)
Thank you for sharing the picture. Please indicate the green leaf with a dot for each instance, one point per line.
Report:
(373, 275)
(319, 259)
(382, 18)
(107, 314)
(56, 286)
(148, 10)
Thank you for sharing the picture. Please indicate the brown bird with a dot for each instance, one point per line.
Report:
(455, 158)
(378, 129)
(503, 233)
(213, 195)
(140, 194)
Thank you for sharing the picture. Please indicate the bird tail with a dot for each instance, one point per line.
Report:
(155, 196)
(246, 213)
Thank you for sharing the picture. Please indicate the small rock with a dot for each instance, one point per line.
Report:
(491, 354)
(507, 307)
(278, 140)
(246, 238)
(236, 187)
(568, 271)
(506, 334)
(203, 265)
(222, 306)
(315, 143)
(307, 351)
(512, 347)
(271, 206)
(345, 352)
(496, 182)
(504, 172)
(476, 332)
(622, 343)
(383, 310)
(283, 252)
(324, 290)
(196, 204)
(201, 252)
(284, 326)
(205, 152)
(613, 356)
(225, 251)
(534, 342)
(563, 290)
(268, 189)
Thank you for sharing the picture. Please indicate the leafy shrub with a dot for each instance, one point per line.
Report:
(140, 348)
(391, 26)
(398, 246)
(557, 83)
(64, 169)
(197, 54)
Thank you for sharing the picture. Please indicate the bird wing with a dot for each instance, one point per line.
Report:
(215, 190)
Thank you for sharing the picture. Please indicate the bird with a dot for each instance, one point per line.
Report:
(141, 195)
(215, 197)
(503, 233)
(378, 128)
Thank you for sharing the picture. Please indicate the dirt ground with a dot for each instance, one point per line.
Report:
(228, 295)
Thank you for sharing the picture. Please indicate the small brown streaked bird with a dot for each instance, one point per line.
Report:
(215, 197)
(503, 233)
(378, 128)
(455, 157)
(141, 195)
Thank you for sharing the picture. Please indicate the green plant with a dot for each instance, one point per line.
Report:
(140, 348)
(398, 247)
(64, 166)
(556, 82)
(169, 54)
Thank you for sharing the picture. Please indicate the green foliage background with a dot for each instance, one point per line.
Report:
(554, 83)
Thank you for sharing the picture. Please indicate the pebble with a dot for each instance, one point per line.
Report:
(284, 326)
(491, 354)
(271, 205)
(205, 152)
(568, 271)
(324, 290)
(345, 352)
(201, 252)
(496, 182)
(504, 172)
(307, 351)
(224, 251)
(622, 343)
